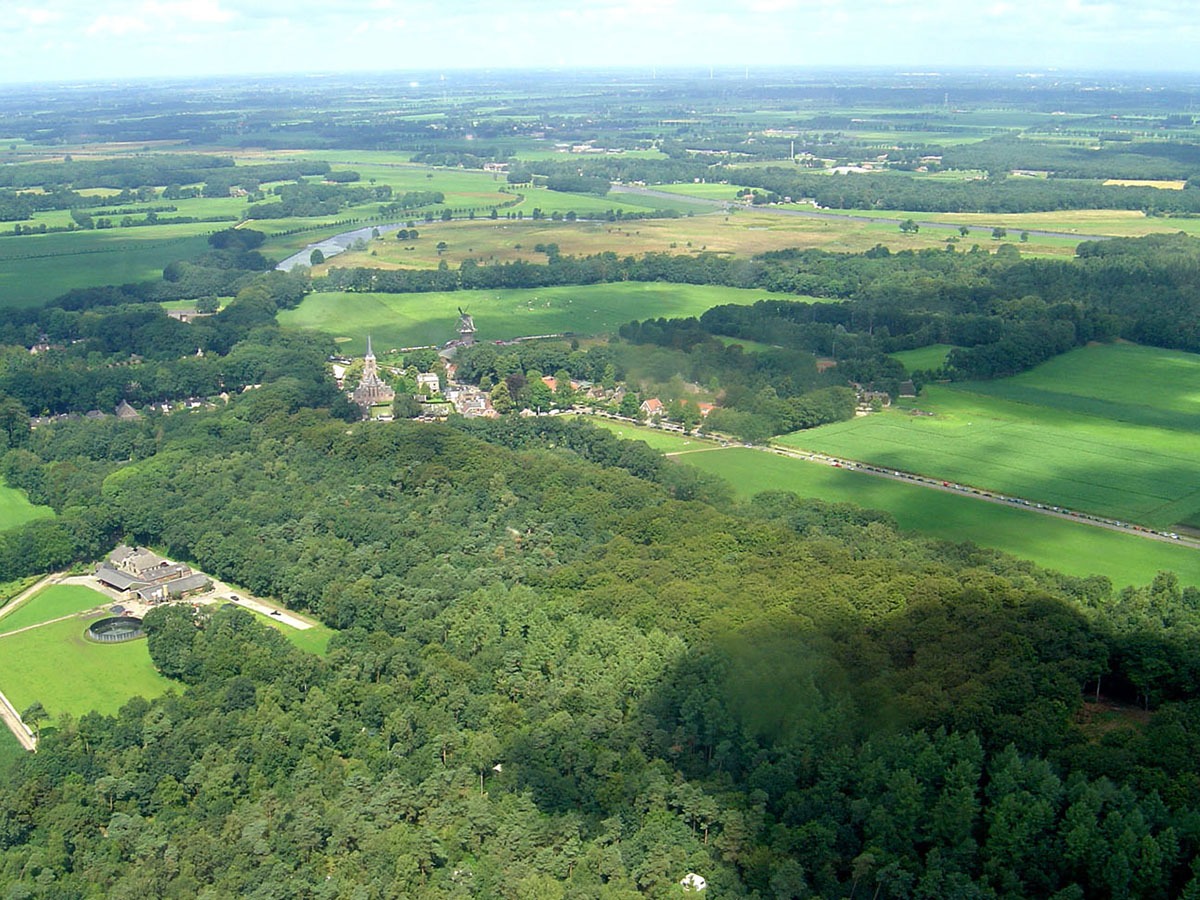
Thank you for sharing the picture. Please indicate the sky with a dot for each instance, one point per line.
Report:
(73, 40)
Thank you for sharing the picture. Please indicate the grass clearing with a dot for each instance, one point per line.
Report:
(52, 602)
(1066, 434)
(1066, 546)
(924, 358)
(656, 438)
(742, 233)
(313, 640)
(16, 510)
(58, 667)
(407, 320)
(1154, 183)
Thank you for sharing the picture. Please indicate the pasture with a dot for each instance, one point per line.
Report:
(58, 667)
(51, 603)
(744, 232)
(37, 268)
(1067, 434)
(923, 358)
(668, 442)
(1059, 544)
(1122, 381)
(15, 508)
(407, 320)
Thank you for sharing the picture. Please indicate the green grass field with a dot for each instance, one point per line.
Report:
(924, 358)
(656, 438)
(407, 320)
(15, 508)
(1070, 433)
(1068, 547)
(38, 268)
(313, 640)
(1126, 382)
(58, 667)
(51, 603)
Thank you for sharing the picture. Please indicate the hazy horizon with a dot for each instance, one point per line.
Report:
(77, 41)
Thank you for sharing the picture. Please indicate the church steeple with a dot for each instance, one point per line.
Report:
(372, 389)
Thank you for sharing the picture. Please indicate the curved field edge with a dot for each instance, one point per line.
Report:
(58, 667)
(16, 510)
(1065, 546)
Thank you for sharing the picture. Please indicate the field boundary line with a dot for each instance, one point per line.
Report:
(75, 615)
(26, 595)
(984, 495)
(696, 450)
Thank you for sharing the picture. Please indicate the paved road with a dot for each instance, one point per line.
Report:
(838, 217)
(936, 484)
(13, 721)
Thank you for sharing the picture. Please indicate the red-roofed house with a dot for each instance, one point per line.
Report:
(652, 407)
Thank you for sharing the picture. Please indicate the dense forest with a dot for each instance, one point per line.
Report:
(568, 668)
(565, 667)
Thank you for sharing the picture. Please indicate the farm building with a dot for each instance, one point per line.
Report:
(136, 570)
(127, 413)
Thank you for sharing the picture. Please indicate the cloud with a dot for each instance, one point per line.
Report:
(198, 11)
(117, 26)
(284, 35)
(37, 16)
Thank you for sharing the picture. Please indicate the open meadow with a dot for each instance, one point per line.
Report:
(37, 268)
(54, 663)
(667, 442)
(313, 640)
(923, 358)
(53, 602)
(1067, 434)
(15, 508)
(743, 233)
(407, 320)
(1084, 222)
(57, 666)
(1066, 546)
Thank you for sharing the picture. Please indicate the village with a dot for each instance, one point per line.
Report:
(432, 400)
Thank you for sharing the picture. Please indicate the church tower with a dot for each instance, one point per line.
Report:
(371, 388)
